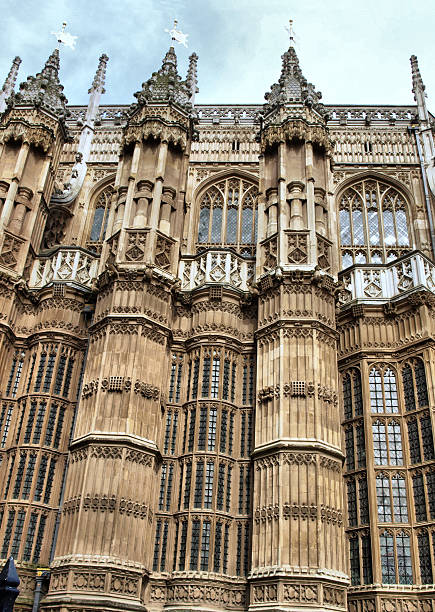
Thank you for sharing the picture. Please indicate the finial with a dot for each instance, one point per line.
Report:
(417, 81)
(9, 84)
(191, 79)
(177, 35)
(100, 75)
(65, 38)
(291, 33)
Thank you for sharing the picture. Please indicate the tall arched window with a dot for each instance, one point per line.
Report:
(101, 215)
(373, 223)
(228, 215)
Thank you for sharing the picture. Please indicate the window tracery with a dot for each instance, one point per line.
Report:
(228, 215)
(374, 226)
(101, 216)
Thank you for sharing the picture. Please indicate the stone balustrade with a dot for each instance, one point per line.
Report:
(72, 265)
(215, 266)
(372, 283)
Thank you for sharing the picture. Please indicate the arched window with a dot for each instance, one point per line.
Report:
(414, 384)
(228, 215)
(383, 390)
(373, 223)
(101, 215)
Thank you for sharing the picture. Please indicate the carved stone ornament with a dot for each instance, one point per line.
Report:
(37, 135)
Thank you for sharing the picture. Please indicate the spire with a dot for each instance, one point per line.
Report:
(100, 75)
(418, 89)
(44, 90)
(166, 85)
(191, 79)
(292, 86)
(9, 83)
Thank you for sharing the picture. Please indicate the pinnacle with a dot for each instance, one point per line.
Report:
(166, 85)
(100, 75)
(44, 90)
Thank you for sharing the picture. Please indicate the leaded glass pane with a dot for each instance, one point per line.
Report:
(414, 442)
(388, 563)
(379, 443)
(402, 228)
(358, 228)
(425, 560)
(374, 236)
(351, 503)
(347, 397)
(408, 388)
(391, 403)
(345, 236)
(427, 438)
(419, 497)
(367, 559)
(350, 457)
(216, 225)
(204, 220)
(395, 443)
(231, 237)
(399, 499)
(194, 547)
(376, 398)
(420, 382)
(363, 501)
(354, 561)
(97, 224)
(383, 498)
(389, 232)
(404, 558)
(346, 260)
(246, 225)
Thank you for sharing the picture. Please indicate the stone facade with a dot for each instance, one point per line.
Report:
(216, 348)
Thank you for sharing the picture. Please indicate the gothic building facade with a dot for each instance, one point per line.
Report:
(216, 349)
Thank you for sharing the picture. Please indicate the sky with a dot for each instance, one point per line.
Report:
(353, 52)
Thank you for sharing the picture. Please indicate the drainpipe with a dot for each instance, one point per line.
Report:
(425, 189)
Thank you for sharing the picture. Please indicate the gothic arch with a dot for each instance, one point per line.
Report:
(375, 219)
(98, 224)
(226, 211)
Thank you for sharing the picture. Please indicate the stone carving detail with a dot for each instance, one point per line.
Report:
(270, 253)
(298, 388)
(58, 581)
(65, 265)
(10, 251)
(72, 505)
(139, 457)
(124, 584)
(131, 508)
(100, 503)
(297, 247)
(106, 452)
(163, 256)
(216, 267)
(264, 592)
(299, 511)
(327, 395)
(90, 388)
(304, 593)
(331, 515)
(216, 594)
(334, 597)
(323, 253)
(88, 581)
(135, 250)
(146, 390)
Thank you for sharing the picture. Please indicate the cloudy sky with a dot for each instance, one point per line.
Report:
(354, 52)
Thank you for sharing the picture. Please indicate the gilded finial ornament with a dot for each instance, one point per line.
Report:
(65, 38)
(291, 32)
(177, 35)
